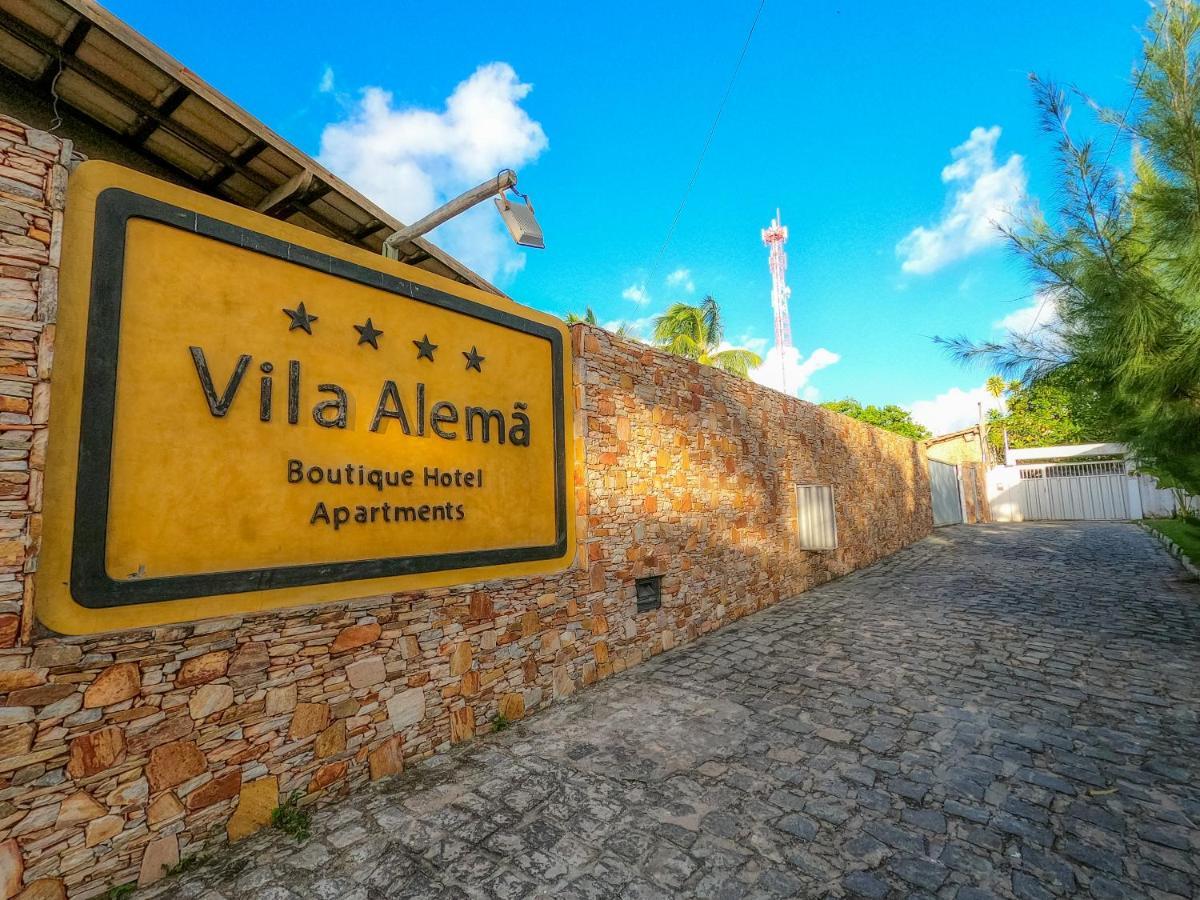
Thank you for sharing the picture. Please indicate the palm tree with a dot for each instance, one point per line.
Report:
(997, 387)
(589, 318)
(695, 332)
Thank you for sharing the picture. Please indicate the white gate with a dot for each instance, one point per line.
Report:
(947, 497)
(1058, 491)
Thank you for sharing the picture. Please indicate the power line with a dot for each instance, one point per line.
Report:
(1038, 314)
(708, 140)
(1137, 86)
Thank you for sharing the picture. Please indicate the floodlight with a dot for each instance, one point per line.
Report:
(518, 218)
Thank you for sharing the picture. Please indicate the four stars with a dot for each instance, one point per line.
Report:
(369, 334)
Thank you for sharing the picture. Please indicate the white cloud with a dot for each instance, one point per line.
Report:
(799, 370)
(681, 278)
(637, 293)
(953, 409)
(750, 342)
(326, 84)
(985, 196)
(411, 160)
(1040, 314)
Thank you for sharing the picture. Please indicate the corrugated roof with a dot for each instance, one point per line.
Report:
(111, 75)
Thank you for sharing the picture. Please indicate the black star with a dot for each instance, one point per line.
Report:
(425, 349)
(474, 359)
(368, 334)
(300, 318)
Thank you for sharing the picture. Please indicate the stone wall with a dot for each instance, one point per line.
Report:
(122, 754)
(33, 181)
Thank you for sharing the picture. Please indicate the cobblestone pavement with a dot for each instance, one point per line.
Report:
(1006, 711)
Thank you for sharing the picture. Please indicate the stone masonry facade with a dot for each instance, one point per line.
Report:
(122, 754)
(33, 183)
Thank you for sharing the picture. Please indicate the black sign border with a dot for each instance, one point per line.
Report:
(91, 586)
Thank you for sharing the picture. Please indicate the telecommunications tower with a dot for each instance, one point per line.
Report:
(775, 237)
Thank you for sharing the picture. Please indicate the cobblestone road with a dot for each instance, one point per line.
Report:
(997, 711)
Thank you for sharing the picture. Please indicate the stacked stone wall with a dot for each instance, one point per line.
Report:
(33, 180)
(121, 754)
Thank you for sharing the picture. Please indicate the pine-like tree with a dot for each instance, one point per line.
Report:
(1120, 256)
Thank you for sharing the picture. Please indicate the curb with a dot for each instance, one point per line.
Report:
(1172, 548)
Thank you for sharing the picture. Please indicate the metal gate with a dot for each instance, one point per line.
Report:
(1083, 490)
(947, 496)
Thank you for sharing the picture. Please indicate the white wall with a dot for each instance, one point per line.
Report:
(1159, 503)
(1003, 490)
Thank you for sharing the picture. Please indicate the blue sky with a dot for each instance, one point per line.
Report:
(844, 118)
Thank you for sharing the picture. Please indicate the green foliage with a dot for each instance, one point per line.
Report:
(188, 863)
(500, 722)
(120, 891)
(1120, 256)
(1184, 532)
(289, 818)
(695, 332)
(589, 318)
(1056, 409)
(891, 417)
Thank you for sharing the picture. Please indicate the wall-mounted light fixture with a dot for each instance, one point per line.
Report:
(516, 213)
(518, 217)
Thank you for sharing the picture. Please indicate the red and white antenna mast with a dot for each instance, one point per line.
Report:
(775, 237)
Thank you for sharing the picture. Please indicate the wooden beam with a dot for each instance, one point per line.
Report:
(364, 231)
(163, 62)
(328, 224)
(55, 64)
(148, 125)
(299, 190)
(75, 38)
(200, 144)
(246, 154)
(297, 184)
(301, 202)
(92, 15)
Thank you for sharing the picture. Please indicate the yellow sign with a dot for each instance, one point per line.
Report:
(247, 416)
